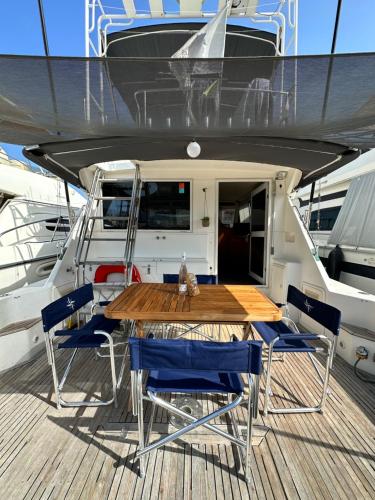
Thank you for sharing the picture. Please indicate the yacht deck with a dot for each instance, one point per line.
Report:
(83, 453)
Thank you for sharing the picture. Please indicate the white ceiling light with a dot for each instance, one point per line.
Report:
(193, 149)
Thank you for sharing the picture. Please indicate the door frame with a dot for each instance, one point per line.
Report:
(268, 221)
(263, 234)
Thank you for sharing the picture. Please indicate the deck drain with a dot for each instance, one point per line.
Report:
(188, 405)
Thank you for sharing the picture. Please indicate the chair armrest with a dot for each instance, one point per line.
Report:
(301, 336)
(101, 303)
(289, 322)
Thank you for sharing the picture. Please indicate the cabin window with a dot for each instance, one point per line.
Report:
(327, 219)
(165, 205)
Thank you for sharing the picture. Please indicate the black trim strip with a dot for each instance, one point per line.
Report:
(353, 268)
(326, 197)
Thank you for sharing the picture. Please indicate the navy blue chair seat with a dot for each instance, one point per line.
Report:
(289, 341)
(193, 381)
(97, 322)
(88, 341)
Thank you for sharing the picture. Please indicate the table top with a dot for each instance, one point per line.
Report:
(221, 303)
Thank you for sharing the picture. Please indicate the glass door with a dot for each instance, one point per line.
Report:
(258, 233)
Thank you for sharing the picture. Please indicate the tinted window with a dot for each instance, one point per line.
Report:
(327, 219)
(58, 224)
(164, 205)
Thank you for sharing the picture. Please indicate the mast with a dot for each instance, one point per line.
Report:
(46, 52)
(326, 94)
(43, 26)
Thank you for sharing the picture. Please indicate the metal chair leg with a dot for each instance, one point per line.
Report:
(249, 430)
(134, 394)
(329, 362)
(267, 388)
(140, 424)
(113, 373)
(55, 378)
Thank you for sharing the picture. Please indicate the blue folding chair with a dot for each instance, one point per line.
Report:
(192, 367)
(94, 334)
(284, 337)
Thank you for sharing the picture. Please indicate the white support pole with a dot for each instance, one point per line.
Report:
(87, 24)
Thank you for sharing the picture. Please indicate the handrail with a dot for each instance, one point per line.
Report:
(316, 249)
(30, 223)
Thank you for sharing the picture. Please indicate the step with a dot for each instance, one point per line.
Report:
(110, 284)
(19, 326)
(111, 198)
(107, 217)
(107, 239)
(115, 180)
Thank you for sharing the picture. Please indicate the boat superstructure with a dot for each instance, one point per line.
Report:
(130, 29)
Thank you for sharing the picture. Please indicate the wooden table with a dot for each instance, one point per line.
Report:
(160, 302)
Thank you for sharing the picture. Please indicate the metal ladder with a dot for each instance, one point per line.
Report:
(86, 233)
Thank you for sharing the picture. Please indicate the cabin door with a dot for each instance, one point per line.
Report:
(258, 233)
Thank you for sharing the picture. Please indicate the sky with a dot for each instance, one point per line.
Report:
(20, 31)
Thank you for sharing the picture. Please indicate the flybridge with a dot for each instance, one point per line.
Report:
(105, 18)
(310, 113)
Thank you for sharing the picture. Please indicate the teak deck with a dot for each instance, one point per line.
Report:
(78, 453)
(224, 303)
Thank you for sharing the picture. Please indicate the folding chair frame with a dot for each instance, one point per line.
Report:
(324, 380)
(76, 301)
(244, 445)
(59, 384)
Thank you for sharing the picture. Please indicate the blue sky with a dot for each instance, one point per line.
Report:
(21, 34)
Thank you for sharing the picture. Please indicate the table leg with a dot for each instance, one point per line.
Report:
(139, 329)
(246, 331)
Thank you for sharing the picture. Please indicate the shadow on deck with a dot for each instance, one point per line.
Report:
(85, 452)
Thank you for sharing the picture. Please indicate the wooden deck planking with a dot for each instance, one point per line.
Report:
(75, 453)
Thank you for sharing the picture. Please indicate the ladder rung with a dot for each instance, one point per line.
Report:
(99, 262)
(116, 180)
(109, 217)
(108, 239)
(110, 284)
(110, 198)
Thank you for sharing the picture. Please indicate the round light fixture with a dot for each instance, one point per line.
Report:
(193, 149)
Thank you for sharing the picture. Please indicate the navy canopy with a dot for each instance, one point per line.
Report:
(308, 112)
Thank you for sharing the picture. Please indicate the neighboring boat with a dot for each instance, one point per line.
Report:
(340, 214)
(34, 223)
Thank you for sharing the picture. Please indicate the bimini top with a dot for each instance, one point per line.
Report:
(312, 113)
(156, 41)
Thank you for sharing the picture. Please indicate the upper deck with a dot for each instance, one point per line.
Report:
(105, 18)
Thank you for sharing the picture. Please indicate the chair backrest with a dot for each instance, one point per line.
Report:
(166, 354)
(64, 307)
(324, 314)
(202, 279)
